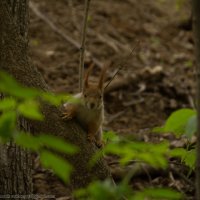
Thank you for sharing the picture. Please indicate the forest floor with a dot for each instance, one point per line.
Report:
(160, 72)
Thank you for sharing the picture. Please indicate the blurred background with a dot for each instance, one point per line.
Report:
(160, 33)
(156, 79)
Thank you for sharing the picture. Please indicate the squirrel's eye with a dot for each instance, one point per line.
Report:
(85, 95)
(100, 97)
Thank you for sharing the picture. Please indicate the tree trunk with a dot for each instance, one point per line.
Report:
(196, 23)
(14, 59)
(15, 163)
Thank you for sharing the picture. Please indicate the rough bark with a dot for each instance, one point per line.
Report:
(196, 23)
(15, 163)
(14, 59)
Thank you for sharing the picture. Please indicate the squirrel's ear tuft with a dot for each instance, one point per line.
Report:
(87, 73)
(102, 76)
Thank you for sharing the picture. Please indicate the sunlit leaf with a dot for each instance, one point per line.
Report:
(177, 152)
(157, 193)
(153, 154)
(7, 104)
(110, 136)
(30, 109)
(28, 141)
(105, 190)
(176, 123)
(59, 166)
(51, 98)
(190, 159)
(9, 86)
(58, 99)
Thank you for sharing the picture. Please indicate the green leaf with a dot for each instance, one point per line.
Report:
(158, 193)
(7, 124)
(59, 166)
(7, 104)
(58, 99)
(104, 190)
(9, 86)
(28, 141)
(176, 123)
(51, 98)
(191, 126)
(190, 159)
(177, 152)
(36, 143)
(110, 136)
(30, 109)
(58, 144)
(153, 154)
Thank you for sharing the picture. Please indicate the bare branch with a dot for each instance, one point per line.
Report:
(44, 18)
(82, 49)
(121, 66)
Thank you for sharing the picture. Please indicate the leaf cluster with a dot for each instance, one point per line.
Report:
(20, 101)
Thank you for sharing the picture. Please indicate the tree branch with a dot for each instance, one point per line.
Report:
(82, 49)
(45, 19)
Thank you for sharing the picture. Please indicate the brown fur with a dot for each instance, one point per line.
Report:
(90, 110)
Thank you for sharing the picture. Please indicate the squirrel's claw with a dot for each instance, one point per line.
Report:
(99, 144)
(91, 138)
(66, 115)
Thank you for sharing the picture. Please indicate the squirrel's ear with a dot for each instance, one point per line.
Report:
(102, 76)
(87, 73)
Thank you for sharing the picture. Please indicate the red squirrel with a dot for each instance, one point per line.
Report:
(89, 111)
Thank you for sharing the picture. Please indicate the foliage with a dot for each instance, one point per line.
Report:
(108, 190)
(104, 190)
(191, 126)
(152, 154)
(157, 193)
(179, 122)
(182, 122)
(20, 101)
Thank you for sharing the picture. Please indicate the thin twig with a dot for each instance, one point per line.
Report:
(52, 25)
(82, 49)
(106, 39)
(113, 117)
(121, 66)
(147, 173)
(181, 175)
(44, 18)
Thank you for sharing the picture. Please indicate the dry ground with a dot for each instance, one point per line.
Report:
(162, 64)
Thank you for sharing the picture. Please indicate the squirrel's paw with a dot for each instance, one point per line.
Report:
(91, 138)
(99, 144)
(67, 115)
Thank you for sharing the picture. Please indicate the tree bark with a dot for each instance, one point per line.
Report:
(196, 23)
(15, 163)
(14, 59)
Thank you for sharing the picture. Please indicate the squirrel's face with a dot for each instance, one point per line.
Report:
(93, 97)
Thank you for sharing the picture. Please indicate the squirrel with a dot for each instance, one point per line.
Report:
(89, 110)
